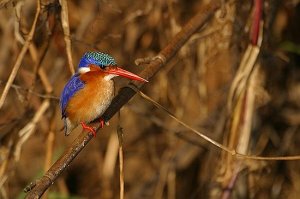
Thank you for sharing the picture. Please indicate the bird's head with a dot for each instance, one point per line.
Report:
(97, 61)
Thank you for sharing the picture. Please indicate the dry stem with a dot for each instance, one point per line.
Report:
(66, 28)
(21, 55)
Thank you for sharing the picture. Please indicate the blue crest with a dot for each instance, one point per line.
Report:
(73, 86)
(96, 58)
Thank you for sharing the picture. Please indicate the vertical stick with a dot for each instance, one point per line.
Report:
(121, 162)
(66, 28)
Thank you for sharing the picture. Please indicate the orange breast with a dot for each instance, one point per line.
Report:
(91, 101)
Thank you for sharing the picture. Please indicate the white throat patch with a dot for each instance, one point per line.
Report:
(110, 76)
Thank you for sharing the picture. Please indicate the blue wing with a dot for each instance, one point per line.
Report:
(73, 86)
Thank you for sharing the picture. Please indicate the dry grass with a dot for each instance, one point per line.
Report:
(218, 84)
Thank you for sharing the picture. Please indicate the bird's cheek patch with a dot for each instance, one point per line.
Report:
(83, 70)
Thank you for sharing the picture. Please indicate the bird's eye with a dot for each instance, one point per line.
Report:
(102, 66)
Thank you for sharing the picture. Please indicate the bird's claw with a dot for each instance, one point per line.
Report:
(102, 122)
(88, 128)
(91, 129)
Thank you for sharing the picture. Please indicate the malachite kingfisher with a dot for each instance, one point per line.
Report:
(90, 90)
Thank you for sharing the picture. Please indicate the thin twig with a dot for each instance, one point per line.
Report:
(232, 152)
(121, 162)
(21, 55)
(125, 94)
(28, 130)
(208, 139)
(258, 6)
(37, 67)
(50, 145)
(66, 28)
(45, 96)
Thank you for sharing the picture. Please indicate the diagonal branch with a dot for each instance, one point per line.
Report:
(37, 188)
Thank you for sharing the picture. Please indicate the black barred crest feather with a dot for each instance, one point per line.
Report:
(97, 58)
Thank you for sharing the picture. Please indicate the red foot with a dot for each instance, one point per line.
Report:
(101, 123)
(88, 128)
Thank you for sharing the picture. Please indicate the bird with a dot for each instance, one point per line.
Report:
(89, 92)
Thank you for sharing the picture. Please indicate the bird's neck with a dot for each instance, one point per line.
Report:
(97, 79)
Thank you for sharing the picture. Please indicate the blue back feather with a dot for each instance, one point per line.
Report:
(73, 86)
(96, 58)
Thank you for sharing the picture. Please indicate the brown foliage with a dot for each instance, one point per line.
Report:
(251, 107)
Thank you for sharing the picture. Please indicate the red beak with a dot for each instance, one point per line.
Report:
(124, 73)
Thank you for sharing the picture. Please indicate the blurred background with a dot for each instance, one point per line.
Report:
(211, 84)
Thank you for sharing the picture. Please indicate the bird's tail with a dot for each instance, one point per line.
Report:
(68, 126)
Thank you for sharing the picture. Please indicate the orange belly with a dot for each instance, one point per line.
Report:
(91, 101)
